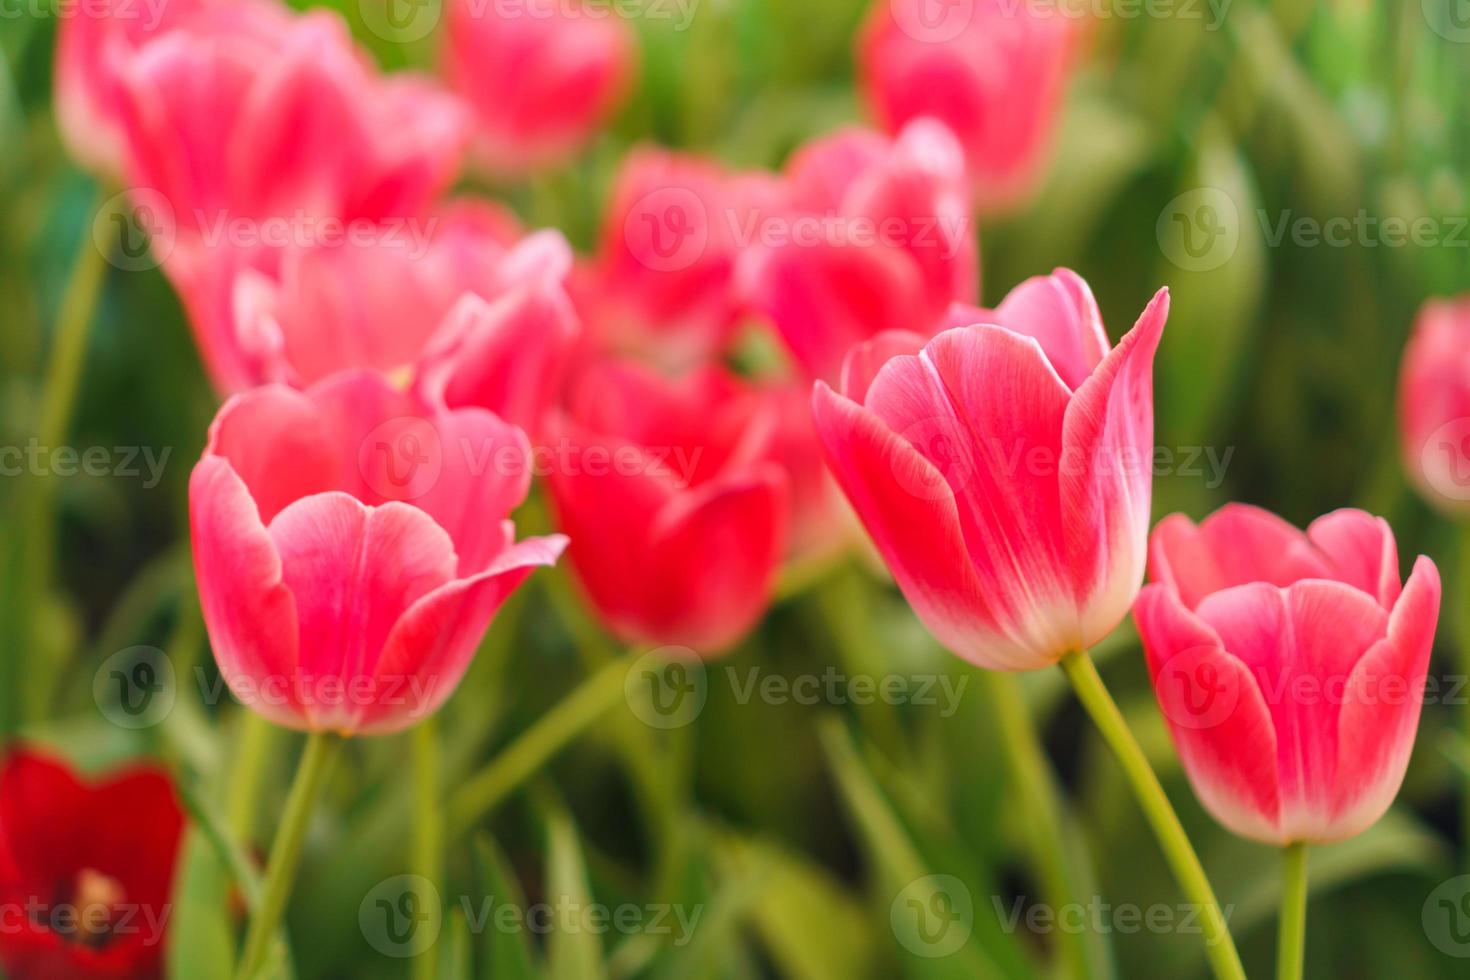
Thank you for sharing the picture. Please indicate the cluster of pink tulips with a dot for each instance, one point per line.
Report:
(392, 395)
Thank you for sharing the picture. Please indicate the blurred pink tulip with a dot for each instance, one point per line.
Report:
(877, 236)
(662, 286)
(1434, 403)
(677, 515)
(254, 112)
(477, 319)
(541, 77)
(820, 520)
(1004, 473)
(993, 71)
(1289, 666)
(253, 131)
(351, 547)
(92, 46)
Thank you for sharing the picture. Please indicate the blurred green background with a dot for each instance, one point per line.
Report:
(793, 827)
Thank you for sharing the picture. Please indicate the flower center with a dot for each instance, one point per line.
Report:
(95, 897)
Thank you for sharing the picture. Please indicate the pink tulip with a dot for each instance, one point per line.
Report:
(92, 46)
(255, 112)
(541, 76)
(1289, 666)
(877, 236)
(663, 283)
(1434, 403)
(476, 318)
(993, 71)
(1004, 473)
(820, 520)
(351, 547)
(676, 513)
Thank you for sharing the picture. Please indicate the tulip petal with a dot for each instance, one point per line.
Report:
(910, 513)
(1361, 551)
(433, 643)
(1381, 707)
(250, 612)
(354, 571)
(1107, 471)
(1216, 714)
(716, 549)
(984, 405)
(1059, 312)
(1302, 644)
(279, 446)
(1233, 546)
(865, 360)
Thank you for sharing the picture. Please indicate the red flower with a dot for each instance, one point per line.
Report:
(85, 870)
(676, 513)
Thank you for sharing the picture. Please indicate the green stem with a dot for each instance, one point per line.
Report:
(1460, 625)
(1291, 940)
(252, 749)
(1041, 805)
(280, 873)
(551, 733)
(428, 829)
(27, 571)
(1183, 861)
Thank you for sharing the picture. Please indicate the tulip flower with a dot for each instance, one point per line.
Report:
(1289, 666)
(252, 129)
(475, 317)
(677, 516)
(820, 519)
(876, 236)
(994, 72)
(1004, 471)
(86, 869)
(1434, 404)
(351, 547)
(540, 77)
(662, 285)
(93, 44)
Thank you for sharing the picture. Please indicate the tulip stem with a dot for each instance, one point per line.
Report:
(1045, 824)
(311, 772)
(1183, 861)
(1291, 940)
(28, 559)
(428, 828)
(576, 713)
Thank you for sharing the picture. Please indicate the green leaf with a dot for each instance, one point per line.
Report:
(201, 936)
(921, 907)
(573, 951)
(811, 926)
(504, 954)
